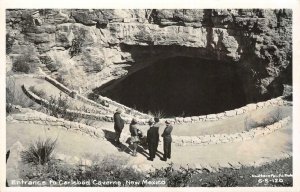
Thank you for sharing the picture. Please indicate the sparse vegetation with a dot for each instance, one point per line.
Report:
(57, 106)
(61, 79)
(113, 168)
(9, 43)
(75, 48)
(270, 119)
(15, 96)
(25, 63)
(51, 64)
(289, 97)
(242, 177)
(39, 152)
(159, 114)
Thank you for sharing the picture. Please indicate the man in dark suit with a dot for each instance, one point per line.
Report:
(167, 141)
(153, 138)
(119, 125)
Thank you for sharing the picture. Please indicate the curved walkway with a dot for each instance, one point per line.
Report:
(259, 150)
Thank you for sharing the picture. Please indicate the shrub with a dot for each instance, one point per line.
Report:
(288, 97)
(159, 114)
(75, 48)
(175, 178)
(25, 63)
(77, 42)
(9, 43)
(39, 152)
(272, 118)
(227, 177)
(57, 106)
(62, 80)
(111, 168)
(15, 96)
(49, 63)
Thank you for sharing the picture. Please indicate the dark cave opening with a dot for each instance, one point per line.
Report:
(181, 86)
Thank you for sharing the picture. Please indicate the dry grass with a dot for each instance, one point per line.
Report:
(39, 152)
(15, 96)
(271, 118)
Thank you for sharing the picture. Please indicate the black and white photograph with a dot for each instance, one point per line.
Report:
(164, 98)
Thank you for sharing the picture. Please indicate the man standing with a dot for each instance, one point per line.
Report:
(134, 136)
(167, 141)
(153, 138)
(119, 125)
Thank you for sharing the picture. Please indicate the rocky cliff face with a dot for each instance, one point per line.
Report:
(101, 45)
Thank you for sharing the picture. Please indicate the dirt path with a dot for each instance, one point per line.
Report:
(82, 146)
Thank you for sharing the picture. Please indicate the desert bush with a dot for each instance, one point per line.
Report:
(271, 118)
(61, 80)
(39, 93)
(51, 65)
(15, 96)
(71, 116)
(95, 97)
(27, 22)
(76, 47)
(9, 43)
(111, 168)
(39, 152)
(174, 178)
(25, 63)
(227, 177)
(57, 107)
(159, 114)
(289, 97)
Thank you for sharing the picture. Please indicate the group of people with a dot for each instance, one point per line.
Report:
(152, 138)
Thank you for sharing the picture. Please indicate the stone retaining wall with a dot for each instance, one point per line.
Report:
(81, 114)
(227, 114)
(43, 119)
(100, 117)
(74, 94)
(230, 138)
(37, 76)
(58, 85)
(40, 118)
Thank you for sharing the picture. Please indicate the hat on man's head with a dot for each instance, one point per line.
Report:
(156, 119)
(119, 110)
(168, 122)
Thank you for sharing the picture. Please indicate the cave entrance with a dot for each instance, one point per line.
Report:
(181, 86)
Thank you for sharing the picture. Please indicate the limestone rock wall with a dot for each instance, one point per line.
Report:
(114, 43)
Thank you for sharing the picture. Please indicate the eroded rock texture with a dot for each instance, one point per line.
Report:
(101, 45)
